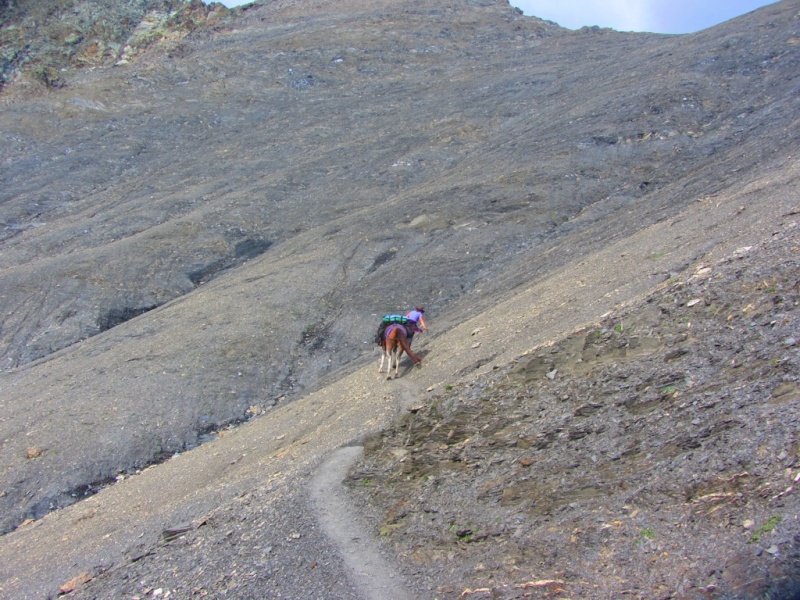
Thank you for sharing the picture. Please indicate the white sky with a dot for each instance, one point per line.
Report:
(661, 16)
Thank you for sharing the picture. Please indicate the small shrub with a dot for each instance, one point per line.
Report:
(462, 533)
(767, 527)
(435, 414)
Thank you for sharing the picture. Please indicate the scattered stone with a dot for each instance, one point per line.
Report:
(173, 533)
(676, 353)
(587, 409)
(74, 583)
(544, 583)
(34, 452)
(703, 272)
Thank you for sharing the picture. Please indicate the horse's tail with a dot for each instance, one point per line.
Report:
(403, 340)
(396, 335)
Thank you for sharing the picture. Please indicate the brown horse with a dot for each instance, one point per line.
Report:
(393, 343)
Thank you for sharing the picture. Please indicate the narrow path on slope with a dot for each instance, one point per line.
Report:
(373, 577)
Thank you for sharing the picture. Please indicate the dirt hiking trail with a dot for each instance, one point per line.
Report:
(373, 577)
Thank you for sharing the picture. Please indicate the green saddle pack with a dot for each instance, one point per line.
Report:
(388, 319)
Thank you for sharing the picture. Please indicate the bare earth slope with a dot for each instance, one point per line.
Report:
(242, 498)
(197, 237)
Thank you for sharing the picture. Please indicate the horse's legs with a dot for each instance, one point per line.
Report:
(386, 353)
(396, 360)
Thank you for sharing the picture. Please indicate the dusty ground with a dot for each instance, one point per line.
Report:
(606, 247)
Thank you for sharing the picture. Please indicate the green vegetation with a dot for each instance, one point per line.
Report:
(669, 390)
(388, 528)
(462, 533)
(767, 527)
(435, 414)
(47, 75)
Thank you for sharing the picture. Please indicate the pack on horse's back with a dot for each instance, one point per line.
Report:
(402, 319)
(385, 322)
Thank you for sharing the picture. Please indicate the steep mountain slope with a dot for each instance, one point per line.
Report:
(566, 385)
(652, 453)
(193, 237)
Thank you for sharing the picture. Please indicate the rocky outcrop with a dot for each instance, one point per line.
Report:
(47, 41)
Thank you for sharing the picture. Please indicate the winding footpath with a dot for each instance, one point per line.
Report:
(370, 574)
